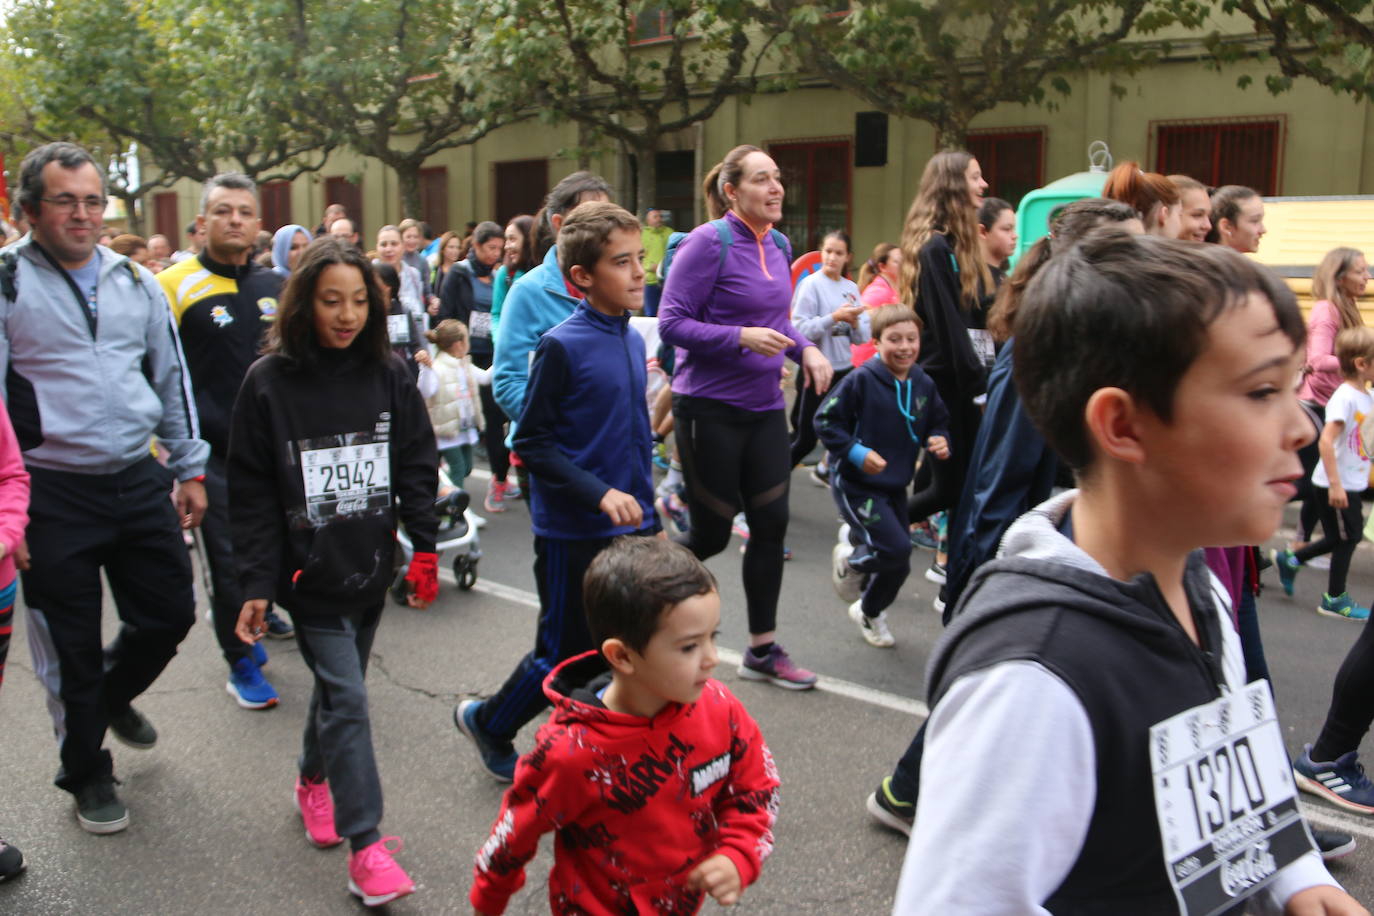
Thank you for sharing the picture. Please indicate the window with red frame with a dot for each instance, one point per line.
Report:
(817, 177)
(1222, 152)
(165, 217)
(651, 23)
(1013, 162)
(276, 204)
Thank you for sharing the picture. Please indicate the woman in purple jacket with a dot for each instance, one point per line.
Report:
(726, 307)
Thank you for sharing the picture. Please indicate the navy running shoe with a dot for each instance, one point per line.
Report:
(1341, 781)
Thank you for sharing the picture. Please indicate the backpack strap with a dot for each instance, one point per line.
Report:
(9, 274)
(727, 238)
(784, 245)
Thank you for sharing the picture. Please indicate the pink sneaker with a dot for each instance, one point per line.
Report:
(317, 811)
(498, 491)
(374, 875)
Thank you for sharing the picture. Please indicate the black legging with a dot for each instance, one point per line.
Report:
(947, 477)
(733, 458)
(1352, 701)
(494, 435)
(804, 415)
(1310, 454)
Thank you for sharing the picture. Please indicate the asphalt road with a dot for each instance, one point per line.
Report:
(214, 831)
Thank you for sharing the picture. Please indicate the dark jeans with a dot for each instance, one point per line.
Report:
(878, 528)
(79, 524)
(733, 458)
(559, 567)
(219, 555)
(1310, 456)
(337, 744)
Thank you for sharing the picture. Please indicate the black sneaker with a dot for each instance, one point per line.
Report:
(11, 861)
(278, 627)
(888, 811)
(133, 728)
(1332, 844)
(98, 808)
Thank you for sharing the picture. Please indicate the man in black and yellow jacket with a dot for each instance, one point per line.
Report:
(224, 305)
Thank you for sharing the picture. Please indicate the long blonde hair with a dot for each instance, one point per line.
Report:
(942, 204)
(1326, 285)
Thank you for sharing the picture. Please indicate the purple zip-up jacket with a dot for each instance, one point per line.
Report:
(704, 306)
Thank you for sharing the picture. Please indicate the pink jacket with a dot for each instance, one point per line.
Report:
(1325, 376)
(14, 496)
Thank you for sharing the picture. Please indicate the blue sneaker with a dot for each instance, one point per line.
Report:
(921, 537)
(259, 654)
(248, 687)
(1288, 564)
(498, 757)
(278, 627)
(1342, 606)
(1341, 781)
(674, 510)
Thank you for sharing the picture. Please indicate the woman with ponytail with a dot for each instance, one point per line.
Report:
(1154, 197)
(726, 307)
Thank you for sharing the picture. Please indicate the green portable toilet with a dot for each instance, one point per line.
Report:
(1033, 216)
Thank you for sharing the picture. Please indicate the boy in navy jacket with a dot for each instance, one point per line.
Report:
(874, 424)
(585, 437)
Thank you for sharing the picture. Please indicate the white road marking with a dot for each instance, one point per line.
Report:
(1327, 817)
(834, 685)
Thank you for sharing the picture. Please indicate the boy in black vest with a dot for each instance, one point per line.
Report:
(1090, 716)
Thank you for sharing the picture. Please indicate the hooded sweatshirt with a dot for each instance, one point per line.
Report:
(281, 248)
(635, 803)
(1043, 692)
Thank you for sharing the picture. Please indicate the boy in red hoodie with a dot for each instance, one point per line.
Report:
(656, 780)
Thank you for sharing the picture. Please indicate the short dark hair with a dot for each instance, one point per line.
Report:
(485, 231)
(634, 582)
(68, 155)
(565, 195)
(990, 209)
(582, 240)
(293, 333)
(889, 315)
(1127, 311)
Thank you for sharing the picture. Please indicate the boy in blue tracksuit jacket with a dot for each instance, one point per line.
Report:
(584, 434)
(874, 424)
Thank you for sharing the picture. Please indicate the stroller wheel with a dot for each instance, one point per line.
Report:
(398, 587)
(465, 571)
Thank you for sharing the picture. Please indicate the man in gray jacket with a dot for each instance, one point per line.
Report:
(93, 372)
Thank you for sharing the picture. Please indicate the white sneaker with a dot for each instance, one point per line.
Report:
(874, 629)
(848, 583)
(820, 475)
(938, 604)
(843, 536)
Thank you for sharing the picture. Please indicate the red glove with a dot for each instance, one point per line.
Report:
(423, 575)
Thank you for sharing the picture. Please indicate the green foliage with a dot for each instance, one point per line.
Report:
(1329, 41)
(945, 61)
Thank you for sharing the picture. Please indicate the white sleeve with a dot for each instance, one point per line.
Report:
(428, 382)
(1033, 806)
(809, 313)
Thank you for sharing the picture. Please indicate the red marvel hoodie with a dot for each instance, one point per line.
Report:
(635, 803)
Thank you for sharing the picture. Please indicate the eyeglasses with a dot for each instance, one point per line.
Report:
(66, 203)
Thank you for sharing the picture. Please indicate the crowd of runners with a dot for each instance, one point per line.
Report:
(1089, 444)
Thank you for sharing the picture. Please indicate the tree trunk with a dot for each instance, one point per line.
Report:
(135, 221)
(646, 168)
(408, 174)
(951, 131)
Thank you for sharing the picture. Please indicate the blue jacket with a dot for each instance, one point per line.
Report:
(870, 411)
(536, 302)
(1011, 470)
(585, 427)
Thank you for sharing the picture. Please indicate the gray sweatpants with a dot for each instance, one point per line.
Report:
(337, 744)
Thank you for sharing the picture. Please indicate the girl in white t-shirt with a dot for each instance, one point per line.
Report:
(826, 309)
(1341, 476)
(455, 409)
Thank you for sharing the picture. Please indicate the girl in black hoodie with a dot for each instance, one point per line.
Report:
(329, 443)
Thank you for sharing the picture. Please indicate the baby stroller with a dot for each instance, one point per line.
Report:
(457, 536)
